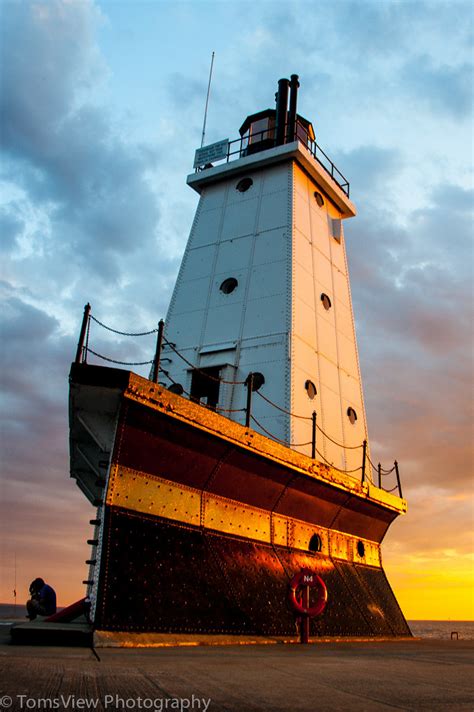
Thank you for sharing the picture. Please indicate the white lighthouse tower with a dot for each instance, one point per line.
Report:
(264, 288)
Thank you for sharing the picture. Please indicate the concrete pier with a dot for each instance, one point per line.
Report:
(321, 677)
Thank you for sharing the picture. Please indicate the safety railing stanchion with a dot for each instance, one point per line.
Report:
(81, 357)
(364, 458)
(249, 384)
(159, 344)
(398, 478)
(313, 435)
(82, 335)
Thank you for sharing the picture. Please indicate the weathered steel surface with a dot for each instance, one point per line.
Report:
(140, 390)
(204, 521)
(156, 442)
(159, 576)
(161, 497)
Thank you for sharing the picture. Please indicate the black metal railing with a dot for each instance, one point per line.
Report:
(250, 383)
(262, 140)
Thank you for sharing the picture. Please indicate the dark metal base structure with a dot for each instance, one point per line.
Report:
(178, 487)
(158, 576)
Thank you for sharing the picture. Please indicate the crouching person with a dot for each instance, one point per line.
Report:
(42, 601)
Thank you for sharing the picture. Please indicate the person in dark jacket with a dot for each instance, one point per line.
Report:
(42, 601)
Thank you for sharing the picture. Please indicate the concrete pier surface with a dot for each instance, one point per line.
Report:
(325, 677)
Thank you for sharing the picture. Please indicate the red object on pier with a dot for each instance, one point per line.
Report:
(309, 580)
(70, 613)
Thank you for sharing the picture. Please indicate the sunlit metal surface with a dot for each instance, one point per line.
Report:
(204, 521)
(160, 576)
(160, 497)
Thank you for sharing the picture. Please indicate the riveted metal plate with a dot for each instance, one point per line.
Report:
(235, 518)
(161, 576)
(164, 498)
(150, 495)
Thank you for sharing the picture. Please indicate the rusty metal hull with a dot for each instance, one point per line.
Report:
(158, 576)
(202, 523)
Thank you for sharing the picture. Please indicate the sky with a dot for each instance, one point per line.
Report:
(101, 111)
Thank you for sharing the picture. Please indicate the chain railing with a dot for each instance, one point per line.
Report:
(83, 350)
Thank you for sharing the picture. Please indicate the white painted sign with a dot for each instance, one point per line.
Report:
(214, 152)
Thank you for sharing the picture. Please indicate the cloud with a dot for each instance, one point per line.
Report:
(413, 305)
(443, 88)
(10, 227)
(185, 90)
(75, 165)
(370, 167)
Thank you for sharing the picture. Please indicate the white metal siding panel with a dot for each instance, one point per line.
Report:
(323, 271)
(274, 211)
(271, 246)
(198, 261)
(341, 288)
(213, 196)
(337, 255)
(275, 179)
(206, 227)
(347, 355)
(344, 319)
(304, 325)
(239, 219)
(326, 345)
(265, 315)
(302, 252)
(191, 296)
(302, 211)
(234, 254)
(277, 242)
(267, 280)
(223, 322)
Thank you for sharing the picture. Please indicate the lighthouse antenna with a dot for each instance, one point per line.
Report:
(207, 101)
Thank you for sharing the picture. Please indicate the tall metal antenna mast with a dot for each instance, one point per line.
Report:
(207, 101)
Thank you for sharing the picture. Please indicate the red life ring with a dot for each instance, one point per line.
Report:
(308, 578)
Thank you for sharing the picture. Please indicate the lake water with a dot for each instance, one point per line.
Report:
(441, 630)
(436, 630)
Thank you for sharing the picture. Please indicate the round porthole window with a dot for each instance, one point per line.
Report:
(258, 380)
(361, 549)
(352, 415)
(244, 184)
(176, 388)
(319, 198)
(315, 543)
(326, 301)
(310, 389)
(228, 285)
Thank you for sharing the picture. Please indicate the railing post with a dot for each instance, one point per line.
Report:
(364, 457)
(313, 435)
(82, 335)
(249, 399)
(159, 343)
(398, 478)
(379, 469)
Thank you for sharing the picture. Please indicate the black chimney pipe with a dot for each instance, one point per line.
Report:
(294, 85)
(281, 111)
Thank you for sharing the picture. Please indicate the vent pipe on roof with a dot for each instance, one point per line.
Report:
(281, 111)
(294, 85)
